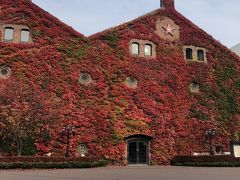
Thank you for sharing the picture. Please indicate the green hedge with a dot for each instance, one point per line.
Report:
(49, 165)
(206, 161)
(209, 164)
(34, 159)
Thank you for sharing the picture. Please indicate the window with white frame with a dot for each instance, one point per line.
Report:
(8, 34)
(135, 48)
(148, 50)
(25, 35)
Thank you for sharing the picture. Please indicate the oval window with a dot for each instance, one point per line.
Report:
(85, 78)
(131, 82)
(5, 72)
(194, 87)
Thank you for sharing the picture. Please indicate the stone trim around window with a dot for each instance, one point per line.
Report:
(195, 54)
(142, 44)
(16, 33)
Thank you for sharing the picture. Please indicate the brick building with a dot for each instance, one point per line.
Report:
(138, 93)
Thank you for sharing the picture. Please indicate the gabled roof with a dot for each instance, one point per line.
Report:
(34, 12)
(124, 24)
(171, 13)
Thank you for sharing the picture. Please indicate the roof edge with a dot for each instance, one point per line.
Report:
(121, 25)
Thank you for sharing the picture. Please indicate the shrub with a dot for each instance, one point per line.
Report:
(13, 159)
(49, 165)
(206, 161)
(50, 162)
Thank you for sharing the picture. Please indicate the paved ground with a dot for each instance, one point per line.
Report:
(125, 173)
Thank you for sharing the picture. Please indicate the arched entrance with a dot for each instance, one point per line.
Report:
(138, 149)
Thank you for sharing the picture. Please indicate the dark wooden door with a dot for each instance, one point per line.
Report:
(137, 152)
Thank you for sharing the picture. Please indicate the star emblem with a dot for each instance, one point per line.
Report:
(169, 29)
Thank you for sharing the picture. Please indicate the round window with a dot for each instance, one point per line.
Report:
(194, 87)
(5, 72)
(85, 78)
(131, 82)
(82, 150)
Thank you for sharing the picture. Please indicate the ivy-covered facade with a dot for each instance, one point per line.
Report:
(141, 92)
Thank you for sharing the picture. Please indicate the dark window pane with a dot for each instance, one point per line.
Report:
(200, 55)
(189, 53)
(132, 150)
(142, 153)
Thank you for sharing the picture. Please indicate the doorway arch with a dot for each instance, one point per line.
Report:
(138, 147)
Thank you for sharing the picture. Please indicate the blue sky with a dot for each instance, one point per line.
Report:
(219, 18)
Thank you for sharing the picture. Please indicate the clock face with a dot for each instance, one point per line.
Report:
(167, 29)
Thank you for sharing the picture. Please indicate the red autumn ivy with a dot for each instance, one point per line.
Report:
(107, 111)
